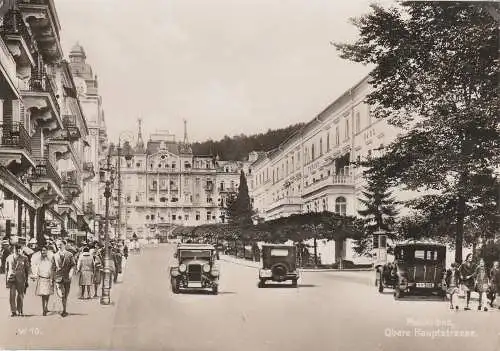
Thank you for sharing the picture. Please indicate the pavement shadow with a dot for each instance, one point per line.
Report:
(287, 286)
(422, 298)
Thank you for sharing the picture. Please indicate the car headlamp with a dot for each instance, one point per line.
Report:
(206, 268)
(182, 268)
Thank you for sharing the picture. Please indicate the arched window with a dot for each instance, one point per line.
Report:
(341, 206)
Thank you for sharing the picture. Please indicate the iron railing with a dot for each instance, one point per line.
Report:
(45, 169)
(41, 82)
(13, 23)
(14, 135)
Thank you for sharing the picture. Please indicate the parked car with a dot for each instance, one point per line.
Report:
(418, 269)
(196, 268)
(279, 264)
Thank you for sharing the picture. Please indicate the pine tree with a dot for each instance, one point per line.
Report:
(379, 213)
(239, 209)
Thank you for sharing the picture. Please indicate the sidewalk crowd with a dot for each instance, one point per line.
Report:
(50, 267)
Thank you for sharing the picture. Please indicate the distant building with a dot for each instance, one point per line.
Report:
(164, 185)
(312, 171)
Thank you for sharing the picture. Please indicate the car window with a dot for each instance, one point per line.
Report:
(279, 252)
(420, 254)
(194, 253)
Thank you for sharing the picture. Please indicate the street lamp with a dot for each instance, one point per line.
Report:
(128, 157)
(107, 175)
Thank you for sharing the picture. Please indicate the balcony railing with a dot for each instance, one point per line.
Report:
(209, 187)
(230, 189)
(42, 83)
(45, 169)
(70, 177)
(13, 23)
(88, 167)
(14, 135)
(335, 179)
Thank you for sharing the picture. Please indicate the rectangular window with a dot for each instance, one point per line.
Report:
(337, 135)
(209, 214)
(173, 217)
(197, 215)
(358, 122)
(347, 128)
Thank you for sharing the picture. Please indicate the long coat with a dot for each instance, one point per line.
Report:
(467, 275)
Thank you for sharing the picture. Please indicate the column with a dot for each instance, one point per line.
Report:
(32, 215)
(40, 225)
(19, 217)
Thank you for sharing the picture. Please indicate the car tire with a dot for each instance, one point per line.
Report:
(261, 284)
(215, 290)
(294, 283)
(175, 286)
(380, 285)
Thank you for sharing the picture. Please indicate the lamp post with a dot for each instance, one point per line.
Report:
(128, 157)
(106, 284)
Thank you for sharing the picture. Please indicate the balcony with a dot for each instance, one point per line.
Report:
(44, 23)
(46, 182)
(230, 189)
(71, 185)
(41, 100)
(69, 123)
(15, 147)
(335, 180)
(8, 78)
(20, 42)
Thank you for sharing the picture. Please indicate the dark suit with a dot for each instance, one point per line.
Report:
(19, 267)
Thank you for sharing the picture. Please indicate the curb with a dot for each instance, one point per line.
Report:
(312, 270)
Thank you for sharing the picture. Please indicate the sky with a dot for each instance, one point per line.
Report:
(226, 66)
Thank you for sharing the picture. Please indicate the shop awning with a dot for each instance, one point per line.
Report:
(11, 183)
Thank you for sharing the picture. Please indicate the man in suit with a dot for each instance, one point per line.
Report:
(17, 271)
(65, 263)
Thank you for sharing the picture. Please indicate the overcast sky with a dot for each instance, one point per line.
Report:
(226, 66)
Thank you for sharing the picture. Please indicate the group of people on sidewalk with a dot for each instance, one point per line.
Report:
(51, 268)
(473, 277)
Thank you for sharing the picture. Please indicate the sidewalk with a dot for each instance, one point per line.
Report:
(88, 325)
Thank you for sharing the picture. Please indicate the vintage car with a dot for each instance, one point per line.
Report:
(418, 269)
(279, 264)
(196, 268)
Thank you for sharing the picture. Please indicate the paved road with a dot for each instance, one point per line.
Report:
(329, 311)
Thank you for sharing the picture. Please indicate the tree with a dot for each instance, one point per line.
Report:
(379, 213)
(436, 77)
(240, 208)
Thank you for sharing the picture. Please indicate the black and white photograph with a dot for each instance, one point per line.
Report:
(249, 175)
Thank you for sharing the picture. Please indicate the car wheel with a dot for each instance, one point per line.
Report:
(380, 285)
(215, 289)
(261, 284)
(175, 286)
(294, 283)
(398, 294)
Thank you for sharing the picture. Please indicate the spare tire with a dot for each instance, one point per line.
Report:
(279, 272)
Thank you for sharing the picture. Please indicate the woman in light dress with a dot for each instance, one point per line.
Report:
(43, 273)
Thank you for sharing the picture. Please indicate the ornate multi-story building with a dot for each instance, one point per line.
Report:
(165, 185)
(88, 94)
(43, 129)
(312, 170)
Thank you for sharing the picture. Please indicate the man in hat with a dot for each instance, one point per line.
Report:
(65, 263)
(17, 271)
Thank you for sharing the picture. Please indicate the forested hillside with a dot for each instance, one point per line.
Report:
(238, 146)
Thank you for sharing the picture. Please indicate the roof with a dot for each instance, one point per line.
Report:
(195, 247)
(418, 243)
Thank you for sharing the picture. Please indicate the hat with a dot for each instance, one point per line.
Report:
(32, 241)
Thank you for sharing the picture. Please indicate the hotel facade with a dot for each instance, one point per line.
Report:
(313, 171)
(44, 135)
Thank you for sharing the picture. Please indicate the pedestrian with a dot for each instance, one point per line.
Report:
(17, 271)
(494, 282)
(117, 258)
(85, 267)
(452, 281)
(65, 264)
(43, 273)
(98, 267)
(481, 284)
(467, 276)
